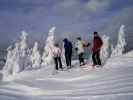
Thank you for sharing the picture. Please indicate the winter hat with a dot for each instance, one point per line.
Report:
(95, 33)
(65, 39)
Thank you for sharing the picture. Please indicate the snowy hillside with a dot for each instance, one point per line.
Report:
(112, 82)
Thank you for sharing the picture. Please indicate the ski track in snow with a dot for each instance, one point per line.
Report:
(112, 82)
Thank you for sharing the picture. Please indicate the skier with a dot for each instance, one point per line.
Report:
(57, 57)
(97, 44)
(79, 47)
(68, 52)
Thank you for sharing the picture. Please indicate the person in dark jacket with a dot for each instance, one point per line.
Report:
(68, 52)
(97, 44)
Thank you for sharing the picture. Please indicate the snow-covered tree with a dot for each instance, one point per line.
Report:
(17, 66)
(17, 58)
(104, 54)
(121, 43)
(23, 43)
(23, 51)
(47, 57)
(35, 56)
(9, 62)
(12, 63)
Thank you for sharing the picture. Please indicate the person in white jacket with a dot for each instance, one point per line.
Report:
(79, 47)
(57, 57)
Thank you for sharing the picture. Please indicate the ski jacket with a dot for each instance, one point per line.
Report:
(97, 43)
(68, 47)
(79, 45)
(56, 52)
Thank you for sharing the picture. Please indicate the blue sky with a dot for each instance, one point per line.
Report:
(71, 18)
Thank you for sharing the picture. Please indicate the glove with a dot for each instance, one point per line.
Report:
(76, 49)
(88, 44)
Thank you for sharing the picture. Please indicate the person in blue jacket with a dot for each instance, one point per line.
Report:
(68, 52)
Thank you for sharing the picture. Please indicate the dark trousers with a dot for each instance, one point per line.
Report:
(68, 58)
(58, 63)
(96, 58)
(81, 58)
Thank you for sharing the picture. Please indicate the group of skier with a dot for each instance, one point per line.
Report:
(79, 46)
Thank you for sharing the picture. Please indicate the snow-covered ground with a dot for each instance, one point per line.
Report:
(112, 82)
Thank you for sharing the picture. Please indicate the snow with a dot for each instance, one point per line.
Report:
(111, 82)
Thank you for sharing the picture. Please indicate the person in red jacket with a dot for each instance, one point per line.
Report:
(97, 44)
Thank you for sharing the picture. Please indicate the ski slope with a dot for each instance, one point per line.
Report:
(112, 82)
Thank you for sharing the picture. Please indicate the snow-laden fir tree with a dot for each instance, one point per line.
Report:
(121, 43)
(12, 63)
(104, 54)
(47, 57)
(23, 51)
(17, 58)
(9, 62)
(35, 56)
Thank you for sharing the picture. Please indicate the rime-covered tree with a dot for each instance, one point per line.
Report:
(23, 50)
(121, 43)
(12, 63)
(35, 56)
(47, 57)
(104, 54)
(9, 62)
(23, 43)
(17, 58)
